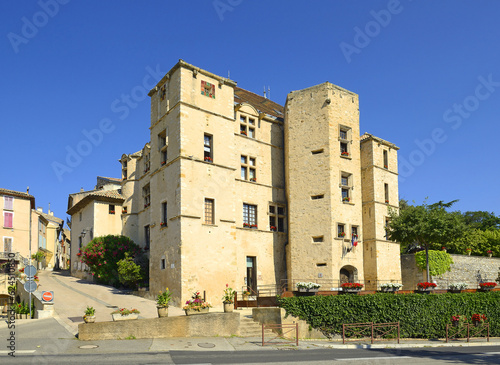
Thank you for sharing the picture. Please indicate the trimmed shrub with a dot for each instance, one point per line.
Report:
(420, 316)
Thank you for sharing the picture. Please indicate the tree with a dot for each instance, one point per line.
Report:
(439, 261)
(481, 220)
(429, 226)
(129, 273)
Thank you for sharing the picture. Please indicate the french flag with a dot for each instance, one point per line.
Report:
(354, 240)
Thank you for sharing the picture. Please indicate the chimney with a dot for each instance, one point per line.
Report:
(28, 190)
(81, 190)
(39, 209)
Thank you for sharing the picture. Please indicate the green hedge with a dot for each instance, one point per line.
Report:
(420, 315)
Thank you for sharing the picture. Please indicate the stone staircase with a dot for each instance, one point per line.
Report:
(250, 328)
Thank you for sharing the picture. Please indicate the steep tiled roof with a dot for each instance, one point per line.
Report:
(51, 218)
(260, 103)
(18, 194)
(112, 196)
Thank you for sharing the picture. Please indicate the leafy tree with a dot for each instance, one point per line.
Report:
(439, 261)
(429, 226)
(102, 254)
(129, 273)
(478, 241)
(481, 220)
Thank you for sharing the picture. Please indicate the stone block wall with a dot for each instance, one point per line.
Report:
(468, 269)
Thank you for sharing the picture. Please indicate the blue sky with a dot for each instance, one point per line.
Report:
(427, 74)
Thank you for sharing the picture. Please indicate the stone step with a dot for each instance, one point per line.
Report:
(250, 328)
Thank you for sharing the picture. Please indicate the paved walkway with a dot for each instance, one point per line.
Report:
(73, 295)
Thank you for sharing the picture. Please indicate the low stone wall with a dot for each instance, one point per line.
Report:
(42, 309)
(277, 316)
(466, 269)
(201, 325)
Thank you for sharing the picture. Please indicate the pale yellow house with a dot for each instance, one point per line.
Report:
(234, 188)
(47, 236)
(16, 212)
(93, 213)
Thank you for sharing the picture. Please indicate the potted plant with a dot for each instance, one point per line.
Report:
(390, 287)
(458, 321)
(273, 228)
(352, 287)
(478, 319)
(89, 316)
(124, 314)
(245, 295)
(468, 251)
(307, 286)
(487, 286)
(196, 305)
(346, 199)
(425, 287)
(341, 234)
(228, 299)
(162, 301)
(490, 253)
(457, 287)
(443, 249)
(344, 153)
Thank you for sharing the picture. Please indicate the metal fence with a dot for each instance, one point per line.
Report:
(374, 331)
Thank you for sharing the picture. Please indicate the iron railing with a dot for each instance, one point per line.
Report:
(454, 332)
(280, 335)
(374, 331)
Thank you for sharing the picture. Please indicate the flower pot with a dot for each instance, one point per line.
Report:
(486, 288)
(308, 290)
(89, 319)
(424, 290)
(476, 323)
(119, 317)
(193, 312)
(351, 290)
(468, 253)
(489, 255)
(454, 290)
(162, 312)
(244, 296)
(454, 323)
(389, 290)
(228, 307)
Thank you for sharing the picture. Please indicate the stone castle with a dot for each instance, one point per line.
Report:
(235, 188)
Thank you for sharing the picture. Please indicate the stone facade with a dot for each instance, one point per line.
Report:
(465, 269)
(233, 188)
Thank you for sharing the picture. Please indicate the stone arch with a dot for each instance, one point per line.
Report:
(348, 274)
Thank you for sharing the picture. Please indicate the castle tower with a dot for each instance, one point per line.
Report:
(323, 186)
(379, 171)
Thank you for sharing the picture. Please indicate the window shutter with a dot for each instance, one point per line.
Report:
(8, 220)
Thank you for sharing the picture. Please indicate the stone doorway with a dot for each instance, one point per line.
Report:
(348, 274)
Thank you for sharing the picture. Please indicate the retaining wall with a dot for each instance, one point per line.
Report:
(201, 325)
(466, 269)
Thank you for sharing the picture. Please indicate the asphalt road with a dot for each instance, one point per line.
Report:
(476, 355)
